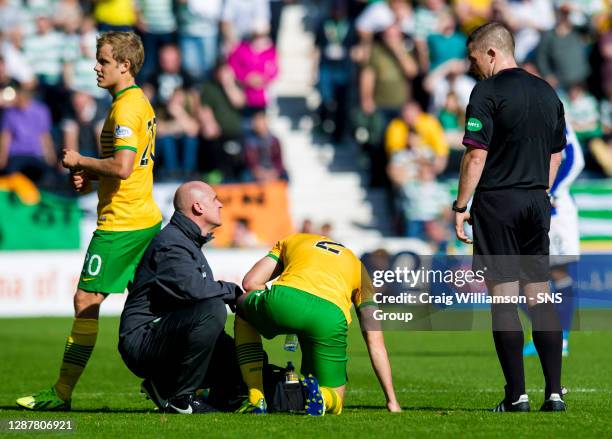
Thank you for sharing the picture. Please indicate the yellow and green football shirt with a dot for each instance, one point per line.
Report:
(126, 205)
(324, 268)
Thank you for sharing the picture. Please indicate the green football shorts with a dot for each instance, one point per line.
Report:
(319, 324)
(112, 258)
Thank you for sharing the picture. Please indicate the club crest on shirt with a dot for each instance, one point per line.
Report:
(122, 131)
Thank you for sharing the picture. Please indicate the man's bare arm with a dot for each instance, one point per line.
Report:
(367, 79)
(555, 162)
(472, 165)
(262, 272)
(120, 165)
(5, 144)
(375, 342)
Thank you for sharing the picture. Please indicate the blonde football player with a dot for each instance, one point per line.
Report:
(128, 217)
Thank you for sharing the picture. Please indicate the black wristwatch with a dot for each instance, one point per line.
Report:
(458, 209)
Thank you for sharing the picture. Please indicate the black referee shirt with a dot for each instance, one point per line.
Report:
(520, 120)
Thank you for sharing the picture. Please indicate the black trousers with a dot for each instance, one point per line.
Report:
(185, 350)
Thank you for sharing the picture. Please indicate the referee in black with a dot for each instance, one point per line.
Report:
(514, 135)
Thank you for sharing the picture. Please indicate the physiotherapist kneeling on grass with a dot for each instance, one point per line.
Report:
(171, 331)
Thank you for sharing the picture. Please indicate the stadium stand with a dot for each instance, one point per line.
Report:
(336, 150)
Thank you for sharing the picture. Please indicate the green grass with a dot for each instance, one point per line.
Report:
(445, 382)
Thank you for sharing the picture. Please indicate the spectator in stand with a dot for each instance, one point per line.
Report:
(238, 17)
(70, 28)
(582, 110)
(422, 198)
(562, 54)
(307, 226)
(605, 109)
(583, 12)
(255, 66)
(385, 79)
(602, 150)
(17, 67)
(169, 77)
(44, 51)
(452, 120)
(157, 26)
(67, 14)
(472, 13)
(220, 117)
(420, 133)
(605, 49)
(445, 43)
(263, 153)
(380, 15)
(449, 77)
(601, 21)
(242, 236)
(7, 88)
(384, 86)
(118, 15)
(79, 74)
(176, 105)
(11, 15)
(177, 124)
(583, 113)
(81, 130)
(427, 21)
(327, 229)
(333, 39)
(25, 139)
(276, 12)
(526, 19)
(198, 35)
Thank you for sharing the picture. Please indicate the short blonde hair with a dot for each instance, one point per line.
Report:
(492, 34)
(127, 46)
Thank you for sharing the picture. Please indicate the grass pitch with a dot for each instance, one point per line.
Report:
(445, 383)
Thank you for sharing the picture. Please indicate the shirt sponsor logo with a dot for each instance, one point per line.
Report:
(473, 124)
(122, 131)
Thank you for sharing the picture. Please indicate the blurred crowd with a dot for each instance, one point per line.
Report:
(207, 72)
(392, 76)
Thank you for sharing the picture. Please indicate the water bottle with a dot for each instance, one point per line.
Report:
(291, 342)
(291, 375)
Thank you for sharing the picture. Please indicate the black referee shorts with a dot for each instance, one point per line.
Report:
(511, 234)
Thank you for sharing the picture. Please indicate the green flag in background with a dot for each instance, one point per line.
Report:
(53, 223)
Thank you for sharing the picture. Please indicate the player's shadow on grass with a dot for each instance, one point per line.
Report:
(109, 410)
(418, 409)
(433, 354)
(95, 410)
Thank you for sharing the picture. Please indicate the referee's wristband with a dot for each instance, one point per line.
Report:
(458, 209)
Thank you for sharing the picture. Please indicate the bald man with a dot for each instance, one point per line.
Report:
(172, 324)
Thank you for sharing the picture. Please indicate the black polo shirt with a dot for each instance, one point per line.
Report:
(519, 119)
